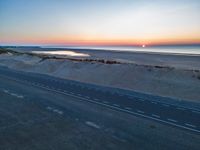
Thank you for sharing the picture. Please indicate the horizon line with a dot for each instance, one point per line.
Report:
(100, 45)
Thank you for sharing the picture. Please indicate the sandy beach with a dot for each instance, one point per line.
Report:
(175, 76)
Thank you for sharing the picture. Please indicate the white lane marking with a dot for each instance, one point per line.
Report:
(49, 108)
(138, 99)
(92, 124)
(128, 108)
(165, 105)
(13, 94)
(116, 105)
(58, 111)
(190, 125)
(116, 108)
(157, 116)
(172, 120)
(142, 112)
(191, 108)
(54, 110)
(20, 96)
(180, 108)
(153, 102)
(5, 91)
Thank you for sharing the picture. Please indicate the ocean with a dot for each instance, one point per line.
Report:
(178, 49)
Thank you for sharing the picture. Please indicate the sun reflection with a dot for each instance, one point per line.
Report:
(62, 53)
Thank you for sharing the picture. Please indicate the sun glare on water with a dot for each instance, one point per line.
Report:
(143, 46)
(62, 53)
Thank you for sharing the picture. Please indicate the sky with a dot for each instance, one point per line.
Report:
(99, 22)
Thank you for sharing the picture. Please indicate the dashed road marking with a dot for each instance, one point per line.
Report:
(190, 125)
(5, 91)
(116, 105)
(13, 94)
(142, 112)
(96, 99)
(165, 105)
(54, 110)
(138, 99)
(128, 108)
(157, 116)
(172, 120)
(49, 108)
(58, 111)
(92, 124)
(185, 126)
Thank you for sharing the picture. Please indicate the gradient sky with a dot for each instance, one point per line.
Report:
(93, 22)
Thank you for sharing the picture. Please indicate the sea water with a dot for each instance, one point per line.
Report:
(177, 49)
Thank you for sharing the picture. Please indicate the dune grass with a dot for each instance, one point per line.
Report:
(6, 50)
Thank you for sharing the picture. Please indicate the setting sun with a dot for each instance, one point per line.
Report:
(100, 74)
(99, 22)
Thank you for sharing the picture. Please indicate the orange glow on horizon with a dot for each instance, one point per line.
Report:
(80, 41)
(100, 22)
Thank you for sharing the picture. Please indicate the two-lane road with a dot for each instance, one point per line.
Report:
(175, 115)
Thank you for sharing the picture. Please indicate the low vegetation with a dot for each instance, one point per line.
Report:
(2, 50)
(97, 60)
(6, 50)
(45, 57)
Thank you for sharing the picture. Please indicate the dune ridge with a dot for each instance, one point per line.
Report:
(180, 80)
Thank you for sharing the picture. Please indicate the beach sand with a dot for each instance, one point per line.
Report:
(175, 76)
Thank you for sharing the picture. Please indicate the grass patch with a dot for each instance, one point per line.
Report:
(5, 51)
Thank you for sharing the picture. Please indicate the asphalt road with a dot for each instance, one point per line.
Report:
(166, 113)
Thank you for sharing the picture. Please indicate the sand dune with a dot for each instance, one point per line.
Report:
(165, 75)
